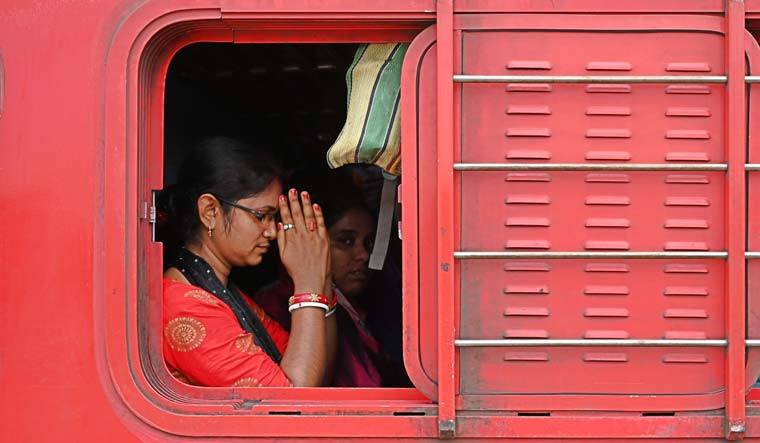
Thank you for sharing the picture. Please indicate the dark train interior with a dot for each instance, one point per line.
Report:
(289, 99)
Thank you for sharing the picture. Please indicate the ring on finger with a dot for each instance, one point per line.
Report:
(288, 226)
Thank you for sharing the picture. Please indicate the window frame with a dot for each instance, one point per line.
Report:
(130, 265)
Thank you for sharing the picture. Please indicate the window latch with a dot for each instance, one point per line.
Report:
(149, 213)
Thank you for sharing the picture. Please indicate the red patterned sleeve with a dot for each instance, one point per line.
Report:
(204, 341)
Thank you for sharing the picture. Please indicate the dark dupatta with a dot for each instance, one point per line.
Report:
(200, 274)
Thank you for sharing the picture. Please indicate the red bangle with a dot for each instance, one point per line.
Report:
(308, 297)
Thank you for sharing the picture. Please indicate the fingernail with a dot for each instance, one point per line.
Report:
(279, 226)
(311, 225)
(282, 198)
(317, 207)
(305, 194)
(293, 192)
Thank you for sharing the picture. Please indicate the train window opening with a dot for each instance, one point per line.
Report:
(288, 101)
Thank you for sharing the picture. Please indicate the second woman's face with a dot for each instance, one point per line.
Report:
(247, 238)
(351, 240)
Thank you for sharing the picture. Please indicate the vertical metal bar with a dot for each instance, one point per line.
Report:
(457, 209)
(445, 134)
(735, 221)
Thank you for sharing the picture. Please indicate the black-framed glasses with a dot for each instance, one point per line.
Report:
(262, 217)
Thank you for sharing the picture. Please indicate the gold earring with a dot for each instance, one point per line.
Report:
(209, 231)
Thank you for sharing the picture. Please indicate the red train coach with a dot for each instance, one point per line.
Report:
(581, 216)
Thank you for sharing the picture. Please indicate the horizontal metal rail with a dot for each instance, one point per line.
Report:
(589, 167)
(466, 78)
(465, 255)
(591, 79)
(598, 167)
(752, 255)
(538, 342)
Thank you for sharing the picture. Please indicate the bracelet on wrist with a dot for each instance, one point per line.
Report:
(333, 304)
(311, 297)
(308, 304)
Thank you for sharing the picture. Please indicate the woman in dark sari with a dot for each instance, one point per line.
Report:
(362, 360)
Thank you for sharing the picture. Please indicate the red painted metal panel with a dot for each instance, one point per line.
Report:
(588, 211)
(329, 9)
(49, 145)
(76, 97)
(752, 8)
(578, 301)
(72, 353)
(636, 211)
(590, 6)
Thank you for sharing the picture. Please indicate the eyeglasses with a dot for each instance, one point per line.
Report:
(262, 217)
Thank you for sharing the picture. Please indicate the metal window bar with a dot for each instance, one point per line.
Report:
(590, 167)
(736, 287)
(596, 342)
(598, 167)
(468, 255)
(722, 79)
(593, 342)
(749, 79)
(447, 369)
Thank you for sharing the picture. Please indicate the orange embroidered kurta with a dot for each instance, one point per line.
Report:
(205, 345)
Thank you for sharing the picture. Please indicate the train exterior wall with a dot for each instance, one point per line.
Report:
(73, 184)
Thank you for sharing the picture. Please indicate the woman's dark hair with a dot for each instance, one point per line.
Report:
(225, 167)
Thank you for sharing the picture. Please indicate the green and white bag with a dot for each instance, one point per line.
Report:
(372, 132)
